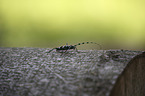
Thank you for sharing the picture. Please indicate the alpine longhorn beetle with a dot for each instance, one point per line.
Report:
(69, 47)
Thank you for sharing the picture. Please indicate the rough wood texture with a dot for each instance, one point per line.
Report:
(34, 72)
(132, 80)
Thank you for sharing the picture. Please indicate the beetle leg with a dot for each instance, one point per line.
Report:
(51, 50)
(76, 50)
(63, 52)
(66, 50)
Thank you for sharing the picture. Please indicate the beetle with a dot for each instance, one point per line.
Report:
(69, 47)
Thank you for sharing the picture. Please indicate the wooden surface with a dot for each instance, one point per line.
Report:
(132, 80)
(34, 72)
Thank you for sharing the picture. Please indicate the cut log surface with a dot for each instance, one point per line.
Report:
(34, 72)
(131, 82)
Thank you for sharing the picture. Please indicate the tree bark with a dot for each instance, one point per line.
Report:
(35, 72)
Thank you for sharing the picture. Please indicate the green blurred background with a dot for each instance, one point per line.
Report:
(51, 23)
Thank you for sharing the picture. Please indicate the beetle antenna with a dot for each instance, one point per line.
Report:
(89, 43)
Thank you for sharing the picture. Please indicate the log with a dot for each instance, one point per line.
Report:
(131, 82)
(34, 72)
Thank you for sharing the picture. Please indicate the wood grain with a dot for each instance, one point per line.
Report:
(132, 80)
